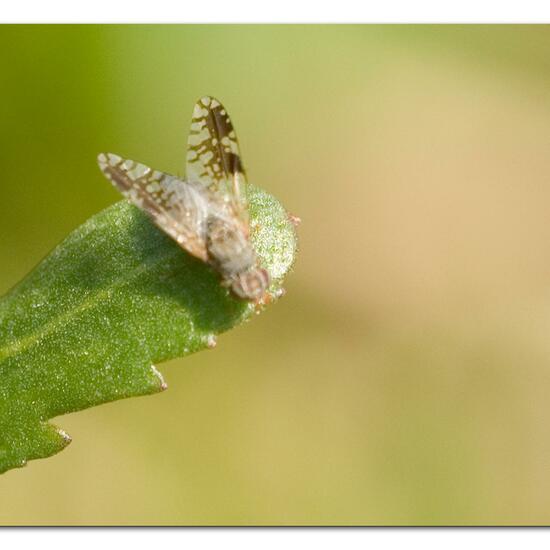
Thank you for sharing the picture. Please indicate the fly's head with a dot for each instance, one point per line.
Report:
(252, 284)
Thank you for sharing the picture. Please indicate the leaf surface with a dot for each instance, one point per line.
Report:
(115, 298)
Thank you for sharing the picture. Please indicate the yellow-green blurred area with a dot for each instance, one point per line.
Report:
(405, 377)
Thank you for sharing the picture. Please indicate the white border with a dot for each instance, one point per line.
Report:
(282, 11)
(274, 539)
(277, 11)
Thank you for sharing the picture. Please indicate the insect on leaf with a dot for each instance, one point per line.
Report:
(206, 214)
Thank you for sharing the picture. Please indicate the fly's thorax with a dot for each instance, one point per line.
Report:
(229, 249)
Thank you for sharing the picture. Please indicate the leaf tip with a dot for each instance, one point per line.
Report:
(65, 437)
(162, 384)
(211, 341)
(293, 219)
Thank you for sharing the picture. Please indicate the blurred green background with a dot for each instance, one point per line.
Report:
(405, 377)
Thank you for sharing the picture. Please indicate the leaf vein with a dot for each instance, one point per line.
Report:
(13, 348)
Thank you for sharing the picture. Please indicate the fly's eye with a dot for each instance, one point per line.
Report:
(252, 284)
(266, 279)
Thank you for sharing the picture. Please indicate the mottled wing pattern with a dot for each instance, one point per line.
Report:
(213, 156)
(178, 208)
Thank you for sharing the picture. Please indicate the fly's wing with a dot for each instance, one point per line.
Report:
(178, 208)
(213, 157)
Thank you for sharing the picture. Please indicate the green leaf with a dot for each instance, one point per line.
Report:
(114, 298)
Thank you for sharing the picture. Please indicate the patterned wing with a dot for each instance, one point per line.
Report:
(178, 208)
(213, 156)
